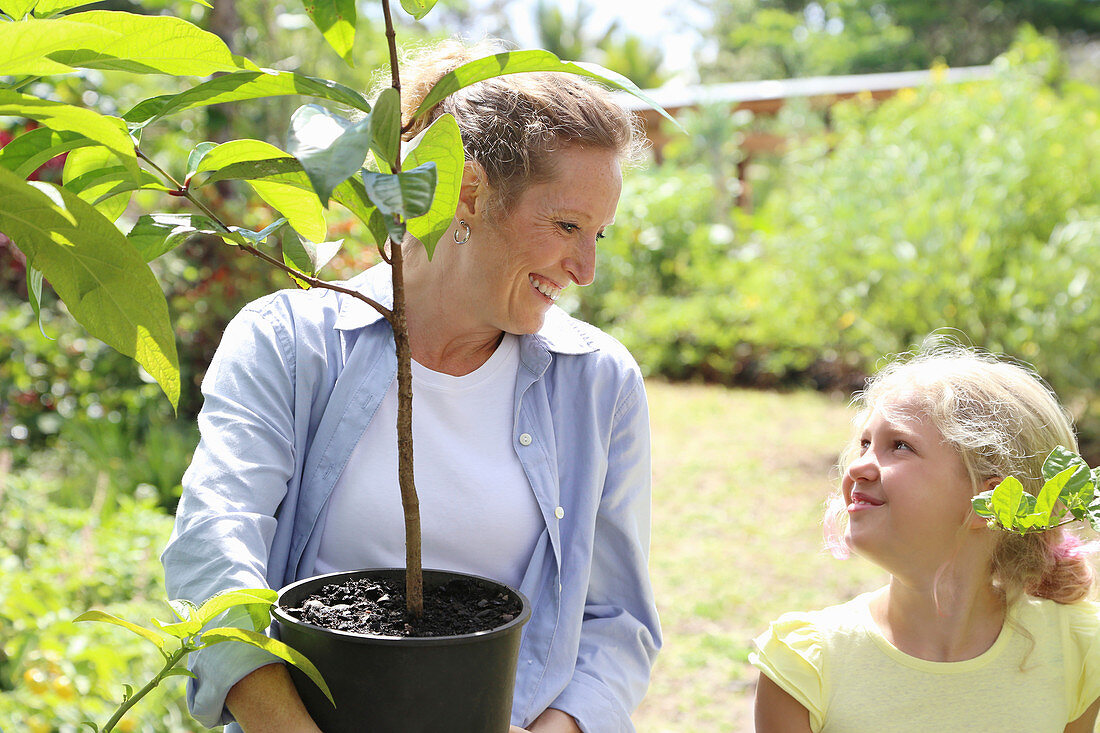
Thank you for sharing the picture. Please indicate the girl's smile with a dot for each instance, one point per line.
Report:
(907, 492)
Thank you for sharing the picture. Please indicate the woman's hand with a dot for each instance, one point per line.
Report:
(265, 701)
(551, 721)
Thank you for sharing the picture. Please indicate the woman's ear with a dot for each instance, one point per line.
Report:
(472, 193)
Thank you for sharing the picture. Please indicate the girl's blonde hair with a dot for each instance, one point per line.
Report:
(512, 125)
(1003, 420)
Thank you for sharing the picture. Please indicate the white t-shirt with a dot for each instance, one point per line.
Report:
(478, 513)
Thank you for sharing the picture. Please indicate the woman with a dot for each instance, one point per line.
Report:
(531, 430)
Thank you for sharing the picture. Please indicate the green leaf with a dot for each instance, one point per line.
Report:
(155, 234)
(16, 8)
(183, 609)
(395, 227)
(242, 85)
(222, 602)
(26, 153)
(115, 620)
(330, 148)
(91, 173)
(407, 194)
(441, 143)
(106, 285)
(273, 646)
(25, 46)
(180, 672)
(1059, 460)
(514, 62)
(308, 257)
(418, 8)
(1094, 515)
(195, 157)
(34, 294)
(352, 194)
(143, 44)
(259, 163)
(181, 630)
(266, 162)
(108, 189)
(50, 7)
(1027, 506)
(258, 239)
(110, 132)
(1007, 497)
(385, 130)
(983, 504)
(336, 20)
(1051, 493)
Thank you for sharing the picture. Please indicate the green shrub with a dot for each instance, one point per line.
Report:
(969, 207)
(55, 563)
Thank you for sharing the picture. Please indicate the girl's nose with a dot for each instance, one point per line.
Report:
(864, 467)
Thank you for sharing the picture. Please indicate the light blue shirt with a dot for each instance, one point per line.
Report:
(295, 382)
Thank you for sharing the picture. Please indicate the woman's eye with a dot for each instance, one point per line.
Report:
(567, 227)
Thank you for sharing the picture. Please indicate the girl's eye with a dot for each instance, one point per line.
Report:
(863, 446)
(599, 236)
(902, 445)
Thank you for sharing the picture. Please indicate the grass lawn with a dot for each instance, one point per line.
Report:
(739, 479)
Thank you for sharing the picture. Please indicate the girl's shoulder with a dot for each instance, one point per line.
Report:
(808, 634)
(1081, 620)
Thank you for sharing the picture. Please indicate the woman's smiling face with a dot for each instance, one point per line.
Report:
(516, 266)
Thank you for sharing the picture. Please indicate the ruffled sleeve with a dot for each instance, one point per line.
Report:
(1083, 622)
(790, 653)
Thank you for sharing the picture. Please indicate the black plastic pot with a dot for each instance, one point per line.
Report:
(385, 684)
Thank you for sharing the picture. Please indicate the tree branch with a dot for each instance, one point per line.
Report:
(310, 280)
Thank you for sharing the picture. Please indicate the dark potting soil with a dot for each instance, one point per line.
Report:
(367, 606)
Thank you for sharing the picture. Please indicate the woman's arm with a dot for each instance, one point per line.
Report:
(1085, 723)
(620, 632)
(238, 477)
(551, 721)
(265, 701)
(778, 712)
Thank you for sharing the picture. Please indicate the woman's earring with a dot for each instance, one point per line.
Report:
(466, 236)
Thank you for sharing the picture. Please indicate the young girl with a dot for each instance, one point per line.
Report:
(978, 629)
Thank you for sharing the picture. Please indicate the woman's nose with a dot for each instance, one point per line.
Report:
(581, 262)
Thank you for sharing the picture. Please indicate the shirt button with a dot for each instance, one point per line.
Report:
(525, 439)
(559, 512)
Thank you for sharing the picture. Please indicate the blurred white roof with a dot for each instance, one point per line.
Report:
(673, 97)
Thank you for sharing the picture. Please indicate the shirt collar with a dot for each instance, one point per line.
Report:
(559, 333)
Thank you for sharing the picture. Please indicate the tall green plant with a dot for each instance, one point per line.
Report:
(102, 274)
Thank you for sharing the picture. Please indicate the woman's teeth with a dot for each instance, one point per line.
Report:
(549, 290)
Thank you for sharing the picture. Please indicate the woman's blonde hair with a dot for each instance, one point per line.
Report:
(512, 125)
(1003, 420)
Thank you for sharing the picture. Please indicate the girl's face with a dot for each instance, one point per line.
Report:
(907, 492)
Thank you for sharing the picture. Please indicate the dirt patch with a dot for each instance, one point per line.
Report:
(367, 606)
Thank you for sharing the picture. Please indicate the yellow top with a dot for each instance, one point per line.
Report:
(1041, 673)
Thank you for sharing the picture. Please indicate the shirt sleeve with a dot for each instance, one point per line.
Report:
(1083, 655)
(225, 522)
(791, 654)
(620, 633)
